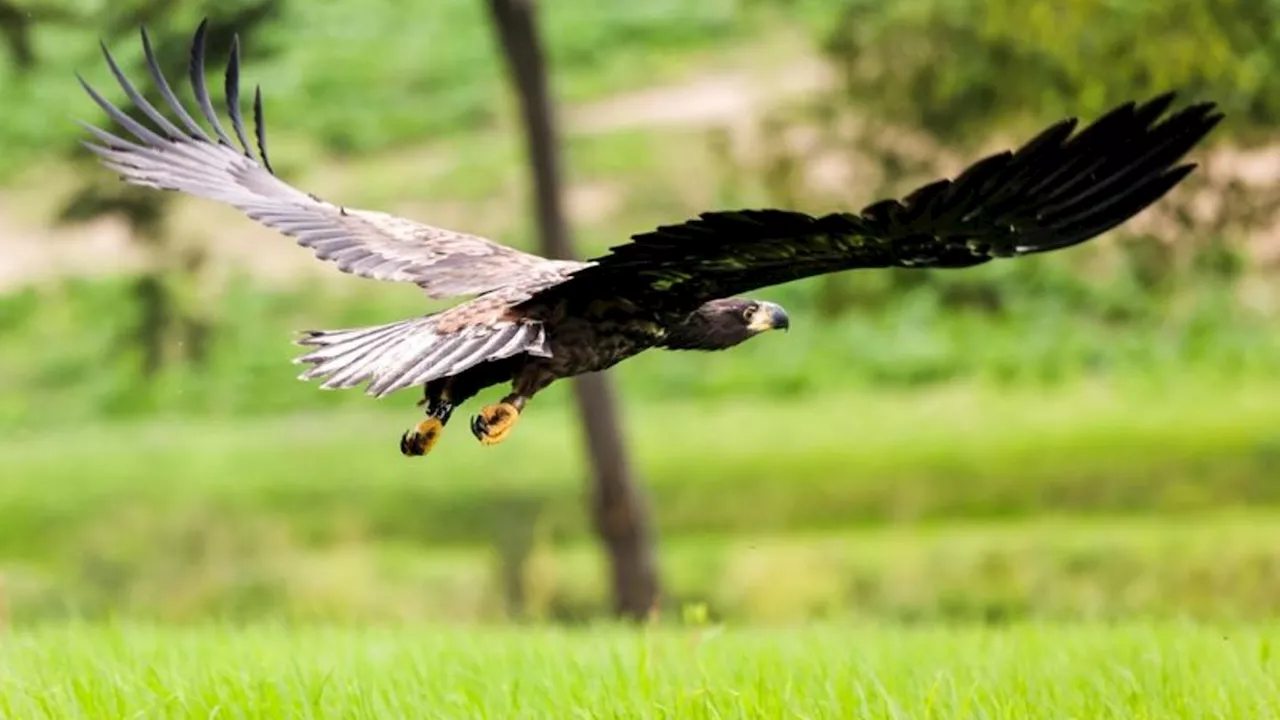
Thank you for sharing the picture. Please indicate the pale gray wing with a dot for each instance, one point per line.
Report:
(413, 352)
(371, 244)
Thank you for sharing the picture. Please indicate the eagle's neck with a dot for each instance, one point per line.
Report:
(702, 331)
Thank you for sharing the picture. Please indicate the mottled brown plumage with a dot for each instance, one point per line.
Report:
(532, 320)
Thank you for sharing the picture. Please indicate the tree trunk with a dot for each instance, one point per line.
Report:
(15, 26)
(618, 508)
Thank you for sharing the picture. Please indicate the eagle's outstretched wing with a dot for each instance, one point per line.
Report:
(1058, 190)
(370, 244)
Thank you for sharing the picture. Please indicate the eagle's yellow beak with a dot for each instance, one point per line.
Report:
(769, 316)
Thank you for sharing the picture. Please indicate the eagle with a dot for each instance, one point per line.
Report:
(529, 320)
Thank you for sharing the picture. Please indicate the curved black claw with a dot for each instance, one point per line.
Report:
(419, 439)
(479, 427)
(407, 446)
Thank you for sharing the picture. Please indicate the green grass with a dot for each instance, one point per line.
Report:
(1026, 671)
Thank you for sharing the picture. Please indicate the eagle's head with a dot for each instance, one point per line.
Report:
(721, 324)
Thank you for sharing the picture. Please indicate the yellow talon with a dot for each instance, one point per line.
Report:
(422, 437)
(494, 422)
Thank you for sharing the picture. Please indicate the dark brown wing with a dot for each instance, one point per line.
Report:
(1058, 190)
(370, 244)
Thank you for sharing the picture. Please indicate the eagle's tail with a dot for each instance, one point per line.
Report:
(409, 352)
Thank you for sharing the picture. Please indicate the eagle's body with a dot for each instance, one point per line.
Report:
(533, 320)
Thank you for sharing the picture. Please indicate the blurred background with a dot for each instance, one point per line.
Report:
(1087, 434)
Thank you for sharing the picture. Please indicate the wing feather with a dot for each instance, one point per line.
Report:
(470, 355)
(412, 352)
(396, 374)
(1056, 191)
(444, 263)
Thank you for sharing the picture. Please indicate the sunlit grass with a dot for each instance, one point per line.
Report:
(1025, 671)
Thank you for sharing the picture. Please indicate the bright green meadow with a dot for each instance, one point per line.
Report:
(1025, 671)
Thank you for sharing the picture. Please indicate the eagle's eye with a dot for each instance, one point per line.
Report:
(748, 311)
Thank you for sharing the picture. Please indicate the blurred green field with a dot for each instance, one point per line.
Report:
(1084, 436)
(1026, 671)
(975, 503)
(190, 565)
(714, 466)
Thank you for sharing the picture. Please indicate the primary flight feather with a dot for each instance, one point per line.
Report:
(533, 320)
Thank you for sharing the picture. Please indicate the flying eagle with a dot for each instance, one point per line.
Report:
(532, 320)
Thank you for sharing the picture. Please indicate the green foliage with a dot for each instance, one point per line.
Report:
(1143, 670)
(955, 67)
(967, 72)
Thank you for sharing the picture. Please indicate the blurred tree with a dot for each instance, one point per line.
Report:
(619, 510)
(956, 67)
(17, 20)
(926, 85)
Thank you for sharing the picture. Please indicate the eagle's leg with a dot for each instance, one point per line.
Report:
(496, 420)
(422, 437)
